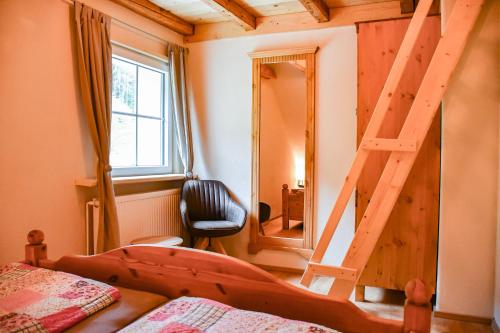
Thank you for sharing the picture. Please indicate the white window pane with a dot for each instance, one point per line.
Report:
(124, 83)
(149, 92)
(149, 142)
(123, 138)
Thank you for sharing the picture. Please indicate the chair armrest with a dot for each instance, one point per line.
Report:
(236, 213)
(185, 214)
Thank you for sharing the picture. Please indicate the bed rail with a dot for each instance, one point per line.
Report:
(177, 271)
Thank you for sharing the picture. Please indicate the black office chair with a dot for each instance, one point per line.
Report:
(208, 212)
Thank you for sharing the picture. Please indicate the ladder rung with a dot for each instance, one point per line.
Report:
(343, 273)
(389, 144)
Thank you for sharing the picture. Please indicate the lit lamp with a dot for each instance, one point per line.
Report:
(299, 171)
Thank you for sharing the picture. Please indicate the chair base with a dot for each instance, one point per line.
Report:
(261, 229)
(205, 242)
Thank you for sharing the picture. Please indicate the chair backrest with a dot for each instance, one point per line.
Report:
(205, 199)
(264, 212)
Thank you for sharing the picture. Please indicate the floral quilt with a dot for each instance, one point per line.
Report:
(194, 315)
(40, 300)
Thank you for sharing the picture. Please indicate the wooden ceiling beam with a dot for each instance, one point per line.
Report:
(235, 12)
(341, 16)
(159, 15)
(318, 9)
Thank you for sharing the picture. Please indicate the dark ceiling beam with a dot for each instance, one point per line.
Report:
(409, 6)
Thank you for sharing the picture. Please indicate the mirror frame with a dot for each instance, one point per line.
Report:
(303, 246)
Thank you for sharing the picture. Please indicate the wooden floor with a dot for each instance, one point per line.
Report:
(275, 228)
(389, 304)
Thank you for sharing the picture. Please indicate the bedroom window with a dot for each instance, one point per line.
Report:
(141, 131)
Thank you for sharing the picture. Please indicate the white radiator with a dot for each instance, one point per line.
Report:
(139, 215)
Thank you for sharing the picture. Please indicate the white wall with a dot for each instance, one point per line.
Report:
(44, 141)
(221, 84)
(469, 197)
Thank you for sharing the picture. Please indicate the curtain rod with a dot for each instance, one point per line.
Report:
(122, 23)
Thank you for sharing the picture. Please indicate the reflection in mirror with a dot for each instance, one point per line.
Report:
(283, 116)
(283, 89)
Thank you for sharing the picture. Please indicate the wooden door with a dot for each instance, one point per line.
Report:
(408, 246)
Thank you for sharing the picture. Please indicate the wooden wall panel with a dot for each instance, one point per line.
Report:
(408, 245)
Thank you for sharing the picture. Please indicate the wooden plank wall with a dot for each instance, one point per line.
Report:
(412, 230)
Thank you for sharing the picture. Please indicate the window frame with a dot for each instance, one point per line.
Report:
(142, 60)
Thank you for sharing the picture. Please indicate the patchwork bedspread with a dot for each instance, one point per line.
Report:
(40, 300)
(193, 315)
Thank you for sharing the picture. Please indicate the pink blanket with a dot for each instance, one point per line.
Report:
(40, 300)
(194, 315)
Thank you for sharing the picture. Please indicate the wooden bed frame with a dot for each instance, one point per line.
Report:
(176, 271)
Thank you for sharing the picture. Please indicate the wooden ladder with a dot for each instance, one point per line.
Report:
(404, 149)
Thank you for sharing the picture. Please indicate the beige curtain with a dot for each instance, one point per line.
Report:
(94, 64)
(178, 93)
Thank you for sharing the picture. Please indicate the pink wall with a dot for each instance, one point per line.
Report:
(282, 130)
(43, 134)
(40, 120)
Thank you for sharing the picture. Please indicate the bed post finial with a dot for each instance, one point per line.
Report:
(36, 250)
(418, 308)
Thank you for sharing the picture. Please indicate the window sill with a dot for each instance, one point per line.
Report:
(92, 182)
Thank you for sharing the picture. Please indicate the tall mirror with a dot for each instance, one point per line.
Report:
(283, 150)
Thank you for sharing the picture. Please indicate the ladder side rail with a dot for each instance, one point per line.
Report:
(372, 130)
(416, 126)
(398, 68)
